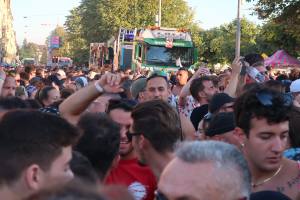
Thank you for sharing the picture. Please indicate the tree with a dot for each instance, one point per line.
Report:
(99, 20)
(218, 44)
(63, 49)
(283, 15)
(273, 37)
(28, 50)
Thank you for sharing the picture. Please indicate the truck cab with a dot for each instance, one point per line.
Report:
(164, 49)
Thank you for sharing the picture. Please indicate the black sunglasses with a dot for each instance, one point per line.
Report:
(160, 196)
(130, 135)
(266, 98)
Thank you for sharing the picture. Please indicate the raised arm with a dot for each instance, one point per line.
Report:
(78, 102)
(231, 88)
(186, 88)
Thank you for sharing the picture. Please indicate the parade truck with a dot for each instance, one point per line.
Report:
(29, 62)
(61, 62)
(166, 49)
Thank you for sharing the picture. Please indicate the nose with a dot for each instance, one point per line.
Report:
(278, 145)
(156, 93)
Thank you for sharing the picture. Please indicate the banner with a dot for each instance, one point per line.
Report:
(54, 42)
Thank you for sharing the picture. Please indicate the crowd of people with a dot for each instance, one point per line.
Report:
(68, 133)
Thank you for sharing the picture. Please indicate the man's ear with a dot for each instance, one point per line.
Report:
(240, 135)
(33, 176)
(142, 142)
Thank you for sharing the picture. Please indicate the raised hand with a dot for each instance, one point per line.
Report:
(111, 83)
(236, 66)
(202, 71)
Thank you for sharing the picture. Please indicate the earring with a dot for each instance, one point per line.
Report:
(242, 145)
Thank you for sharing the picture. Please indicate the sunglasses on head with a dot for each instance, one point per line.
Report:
(266, 98)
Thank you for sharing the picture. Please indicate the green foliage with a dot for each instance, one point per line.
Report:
(28, 50)
(218, 44)
(64, 49)
(99, 20)
(284, 16)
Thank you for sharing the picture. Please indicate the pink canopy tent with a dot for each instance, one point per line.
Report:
(282, 59)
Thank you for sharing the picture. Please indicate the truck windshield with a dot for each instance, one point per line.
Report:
(159, 55)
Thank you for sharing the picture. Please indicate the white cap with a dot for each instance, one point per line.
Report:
(295, 86)
(62, 74)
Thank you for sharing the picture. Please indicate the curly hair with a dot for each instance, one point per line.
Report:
(249, 106)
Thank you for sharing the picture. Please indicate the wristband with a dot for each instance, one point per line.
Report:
(99, 88)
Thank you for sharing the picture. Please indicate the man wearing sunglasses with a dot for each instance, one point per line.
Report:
(262, 119)
(154, 132)
(205, 170)
(129, 172)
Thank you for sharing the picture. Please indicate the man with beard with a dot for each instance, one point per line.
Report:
(9, 86)
(138, 178)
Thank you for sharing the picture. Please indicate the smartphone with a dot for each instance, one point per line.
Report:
(255, 74)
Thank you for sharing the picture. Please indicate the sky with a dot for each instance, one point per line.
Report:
(35, 19)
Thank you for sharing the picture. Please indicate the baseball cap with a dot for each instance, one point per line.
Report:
(295, 86)
(218, 100)
(61, 74)
(82, 81)
(138, 86)
(220, 123)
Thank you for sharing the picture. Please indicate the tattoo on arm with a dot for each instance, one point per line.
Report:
(293, 182)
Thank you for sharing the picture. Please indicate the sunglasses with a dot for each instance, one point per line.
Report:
(266, 98)
(207, 117)
(131, 134)
(160, 196)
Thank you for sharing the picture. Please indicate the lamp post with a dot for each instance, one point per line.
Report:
(238, 32)
(159, 14)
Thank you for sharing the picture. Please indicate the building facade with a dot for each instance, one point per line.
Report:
(8, 45)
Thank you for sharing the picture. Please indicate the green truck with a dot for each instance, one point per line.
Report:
(155, 48)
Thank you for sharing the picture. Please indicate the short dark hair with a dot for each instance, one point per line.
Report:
(155, 75)
(274, 85)
(31, 137)
(74, 190)
(43, 94)
(159, 123)
(254, 58)
(197, 86)
(66, 92)
(10, 103)
(248, 106)
(33, 104)
(123, 104)
(100, 141)
(83, 169)
(25, 76)
(29, 69)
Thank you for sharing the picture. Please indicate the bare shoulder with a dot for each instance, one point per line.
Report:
(290, 178)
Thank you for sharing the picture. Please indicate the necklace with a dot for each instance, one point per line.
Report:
(254, 185)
